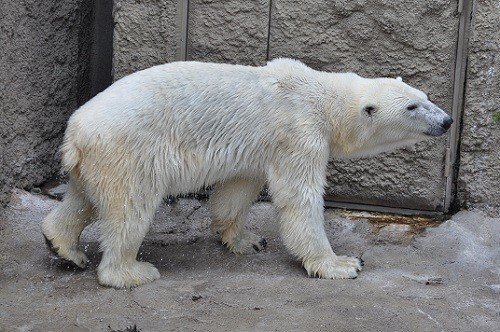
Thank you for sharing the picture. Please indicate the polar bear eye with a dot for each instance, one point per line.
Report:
(369, 110)
(412, 107)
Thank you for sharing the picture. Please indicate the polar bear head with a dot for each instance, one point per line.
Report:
(385, 114)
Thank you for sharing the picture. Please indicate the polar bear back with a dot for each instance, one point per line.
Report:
(194, 123)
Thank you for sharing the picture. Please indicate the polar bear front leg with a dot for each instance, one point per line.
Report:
(229, 206)
(298, 198)
(122, 233)
(302, 230)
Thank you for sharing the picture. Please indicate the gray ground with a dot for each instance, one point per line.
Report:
(446, 278)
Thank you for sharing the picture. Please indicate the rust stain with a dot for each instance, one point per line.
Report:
(418, 223)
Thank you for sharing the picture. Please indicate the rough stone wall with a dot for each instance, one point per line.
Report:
(146, 34)
(479, 174)
(43, 65)
(231, 31)
(412, 39)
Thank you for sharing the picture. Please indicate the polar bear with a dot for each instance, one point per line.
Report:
(174, 128)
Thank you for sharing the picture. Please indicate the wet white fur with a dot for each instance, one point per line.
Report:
(175, 128)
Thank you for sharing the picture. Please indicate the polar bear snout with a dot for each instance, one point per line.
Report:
(447, 122)
(438, 121)
(441, 128)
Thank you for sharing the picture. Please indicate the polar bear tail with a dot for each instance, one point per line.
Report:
(71, 157)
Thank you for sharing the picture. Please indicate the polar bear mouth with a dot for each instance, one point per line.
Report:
(436, 131)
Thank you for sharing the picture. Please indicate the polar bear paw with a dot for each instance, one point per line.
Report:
(245, 243)
(134, 274)
(68, 253)
(336, 267)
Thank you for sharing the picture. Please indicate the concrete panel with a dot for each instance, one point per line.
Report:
(44, 61)
(146, 34)
(412, 39)
(232, 31)
(479, 175)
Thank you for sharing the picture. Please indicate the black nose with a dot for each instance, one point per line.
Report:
(447, 123)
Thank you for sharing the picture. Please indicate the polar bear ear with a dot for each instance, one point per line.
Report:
(399, 79)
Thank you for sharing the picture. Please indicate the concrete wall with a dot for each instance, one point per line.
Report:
(412, 39)
(44, 52)
(479, 174)
(146, 34)
(231, 31)
(415, 40)
(44, 62)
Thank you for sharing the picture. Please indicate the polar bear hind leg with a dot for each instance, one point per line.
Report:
(229, 206)
(63, 226)
(124, 224)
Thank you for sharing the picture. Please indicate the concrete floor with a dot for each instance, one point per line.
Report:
(446, 278)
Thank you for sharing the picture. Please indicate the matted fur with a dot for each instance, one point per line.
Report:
(174, 128)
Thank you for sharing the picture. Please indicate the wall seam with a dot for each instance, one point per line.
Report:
(452, 151)
(268, 46)
(183, 21)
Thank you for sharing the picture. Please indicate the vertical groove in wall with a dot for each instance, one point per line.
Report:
(183, 24)
(102, 47)
(465, 12)
(269, 29)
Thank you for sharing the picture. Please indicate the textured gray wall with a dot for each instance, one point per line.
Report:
(479, 175)
(43, 64)
(231, 31)
(146, 34)
(412, 39)
(44, 61)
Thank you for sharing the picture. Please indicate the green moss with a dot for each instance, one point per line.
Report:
(496, 117)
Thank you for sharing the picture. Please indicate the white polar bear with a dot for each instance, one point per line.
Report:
(174, 128)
